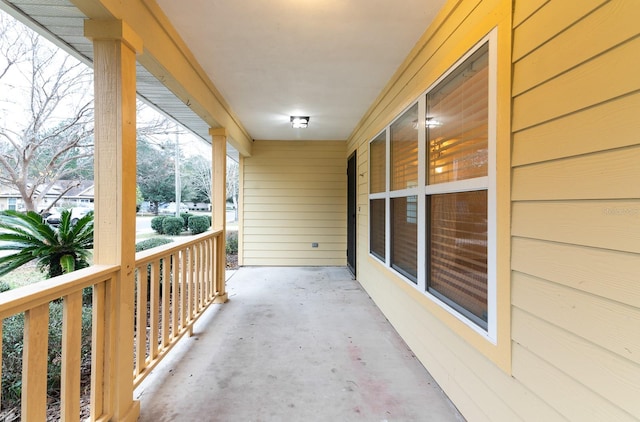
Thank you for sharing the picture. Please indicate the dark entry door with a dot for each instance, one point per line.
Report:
(351, 213)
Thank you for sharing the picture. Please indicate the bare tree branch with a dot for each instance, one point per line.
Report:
(51, 131)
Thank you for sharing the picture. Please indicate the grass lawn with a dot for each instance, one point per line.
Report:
(23, 276)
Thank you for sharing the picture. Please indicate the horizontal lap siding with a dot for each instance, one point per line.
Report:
(478, 387)
(294, 194)
(575, 222)
(576, 207)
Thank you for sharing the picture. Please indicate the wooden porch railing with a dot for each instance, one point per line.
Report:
(174, 286)
(34, 301)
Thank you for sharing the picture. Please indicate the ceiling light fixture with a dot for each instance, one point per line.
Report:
(299, 121)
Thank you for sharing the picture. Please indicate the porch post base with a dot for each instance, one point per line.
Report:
(132, 414)
(221, 298)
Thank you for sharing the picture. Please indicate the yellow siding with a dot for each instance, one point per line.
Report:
(574, 228)
(294, 194)
(576, 209)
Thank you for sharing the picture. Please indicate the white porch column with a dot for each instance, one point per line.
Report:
(219, 189)
(115, 46)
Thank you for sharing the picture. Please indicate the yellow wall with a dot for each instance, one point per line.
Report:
(576, 206)
(293, 195)
(568, 189)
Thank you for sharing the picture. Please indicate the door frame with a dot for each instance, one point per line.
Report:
(352, 211)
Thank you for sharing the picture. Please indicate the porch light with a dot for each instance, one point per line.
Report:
(299, 121)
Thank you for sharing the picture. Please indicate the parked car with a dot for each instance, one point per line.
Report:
(76, 213)
(170, 208)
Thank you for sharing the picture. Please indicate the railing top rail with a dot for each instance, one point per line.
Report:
(23, 298)
(155, 253)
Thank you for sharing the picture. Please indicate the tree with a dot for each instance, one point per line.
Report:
(48, 95)
(233, 183)
(13, 51)
(198, 179)
(56, 251)
(156, 173)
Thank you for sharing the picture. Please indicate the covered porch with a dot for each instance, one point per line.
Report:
(293, 344)
(547, 326)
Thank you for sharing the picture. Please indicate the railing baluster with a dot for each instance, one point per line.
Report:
(197, 265)
(205, 275)
(34, 363)
(211, 247)
(216, 248)
(203, 288)
(166, 294)
(71, 356)
(98, 350)
(189, 282)
(175, 296)
(141, 320)
(194, 281)
(183, 289)
(154, 312)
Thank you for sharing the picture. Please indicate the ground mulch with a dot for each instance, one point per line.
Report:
(232, 261)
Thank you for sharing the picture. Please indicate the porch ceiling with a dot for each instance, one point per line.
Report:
(328, 59)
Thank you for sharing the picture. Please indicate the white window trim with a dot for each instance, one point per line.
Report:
(380, 195)
(487, 183)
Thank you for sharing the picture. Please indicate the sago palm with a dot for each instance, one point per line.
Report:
(56, 250)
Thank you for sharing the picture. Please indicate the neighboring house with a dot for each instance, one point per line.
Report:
(81, 195)
(10, 198)
(491, 207)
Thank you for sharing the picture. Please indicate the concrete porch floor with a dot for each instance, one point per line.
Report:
(293, 344)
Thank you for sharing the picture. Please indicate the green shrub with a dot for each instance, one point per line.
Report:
(12, 345)
(198, 224)
(156, 224)
(55, 251)
(154, 242)
(232, 242)
(172, 225)
(4, 286)
(185, 216)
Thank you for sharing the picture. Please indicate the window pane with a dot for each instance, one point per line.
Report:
(376, 227)
(457, 122)
(404, 150)
(404, 237)
(378, 153)
(458, 252)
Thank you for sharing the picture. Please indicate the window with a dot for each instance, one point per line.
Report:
(404, 182)
(404, 239)
(457, 252)
(377, 204)
(12, 203)
(404, 150)
(432, 189)
(457, 117)
(377, 232)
